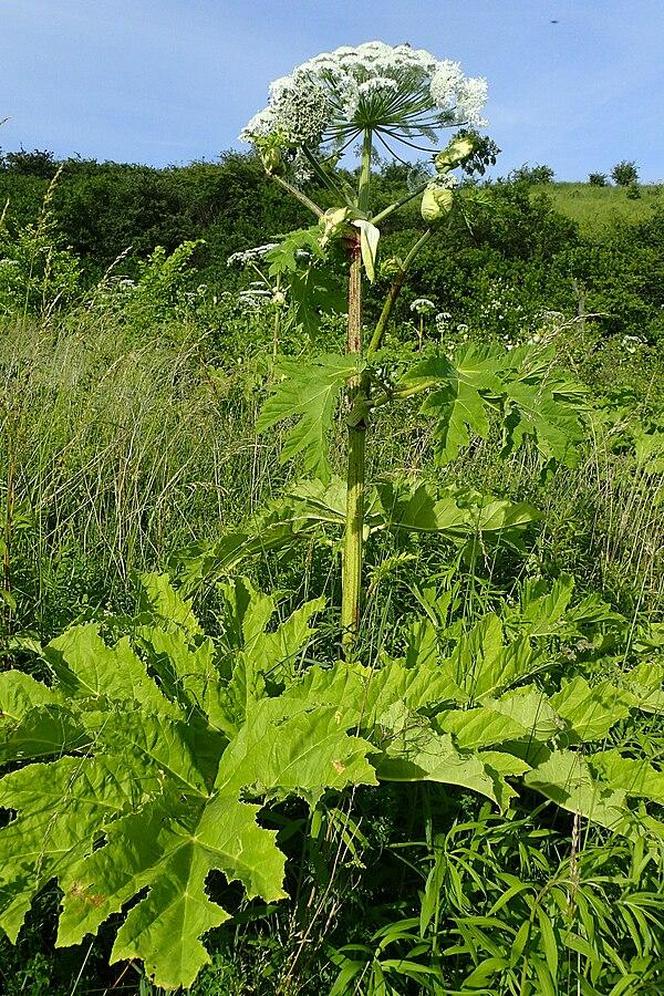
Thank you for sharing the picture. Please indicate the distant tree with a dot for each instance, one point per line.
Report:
(531, 174)
(597, 179)
(625, 173)
(38, 162)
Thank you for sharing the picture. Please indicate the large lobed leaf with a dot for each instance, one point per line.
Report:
(307, 393)
(531, 400)
(170, 753)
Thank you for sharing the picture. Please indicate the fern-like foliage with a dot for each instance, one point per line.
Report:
(142, 767)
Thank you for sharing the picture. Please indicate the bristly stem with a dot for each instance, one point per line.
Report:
(294, 192)
(351, 582)
(393, 293)
(391, 208)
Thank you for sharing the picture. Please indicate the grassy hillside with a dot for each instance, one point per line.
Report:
(595, 208)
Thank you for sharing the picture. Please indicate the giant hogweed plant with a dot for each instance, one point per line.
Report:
(380, 96)
(146, 756)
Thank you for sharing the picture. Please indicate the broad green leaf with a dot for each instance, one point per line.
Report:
(590, 711)
(480, 727)
(366, 697)
(322, 503)
(522, 714)
(315, 291)
(286, 256)
(530, 707)
(186, 669)
(267, 656)
(300, 753)
(174, 858)
(634, 776)
(455, 399)
(275, 651)
(63, 807)
(504, 764)
(248, 611)
(42, 732)
(534, 411)
(483, 665)
(498, 515)
(86, 666)
(419, 511)
(307, 393)
(567, 780)
(649, 450)
(159, 598)
(417, 754)
(645, 684)
(162, 742)
(543, 611)
(19, 693)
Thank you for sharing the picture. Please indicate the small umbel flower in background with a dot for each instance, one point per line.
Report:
(421, 306)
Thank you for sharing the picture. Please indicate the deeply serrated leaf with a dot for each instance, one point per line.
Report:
(534, 411)
(307, 393)
(456, 399)
(591, 711)
(87, 666)
(484, 665)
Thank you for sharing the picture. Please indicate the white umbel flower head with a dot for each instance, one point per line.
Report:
(397, 91)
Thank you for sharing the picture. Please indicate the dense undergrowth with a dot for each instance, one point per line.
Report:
(129, 411)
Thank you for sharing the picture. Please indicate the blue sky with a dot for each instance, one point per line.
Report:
(167, 81)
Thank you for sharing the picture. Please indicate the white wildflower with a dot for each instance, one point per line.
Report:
(459, 96)
(422, 306)
(331, 98)
(247, 256)
(442, 320)
(471, 100)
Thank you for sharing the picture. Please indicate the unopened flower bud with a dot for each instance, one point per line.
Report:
(436, 203)
(272, 159)
(454, 153)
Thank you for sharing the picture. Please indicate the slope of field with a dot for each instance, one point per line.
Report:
(595, 208)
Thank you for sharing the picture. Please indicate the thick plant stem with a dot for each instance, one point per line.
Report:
(353, 537)
(351, 581)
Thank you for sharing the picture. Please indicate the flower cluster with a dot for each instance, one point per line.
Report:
(397, 91)
(247, 256)
(422, 306)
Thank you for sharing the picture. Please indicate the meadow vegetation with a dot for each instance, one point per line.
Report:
(457, 789)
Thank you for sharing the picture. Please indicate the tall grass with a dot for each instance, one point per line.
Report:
(118, 450)
(122, 447)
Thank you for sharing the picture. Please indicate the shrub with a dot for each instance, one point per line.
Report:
(532, 174)
(597, 179)
(625, 173)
